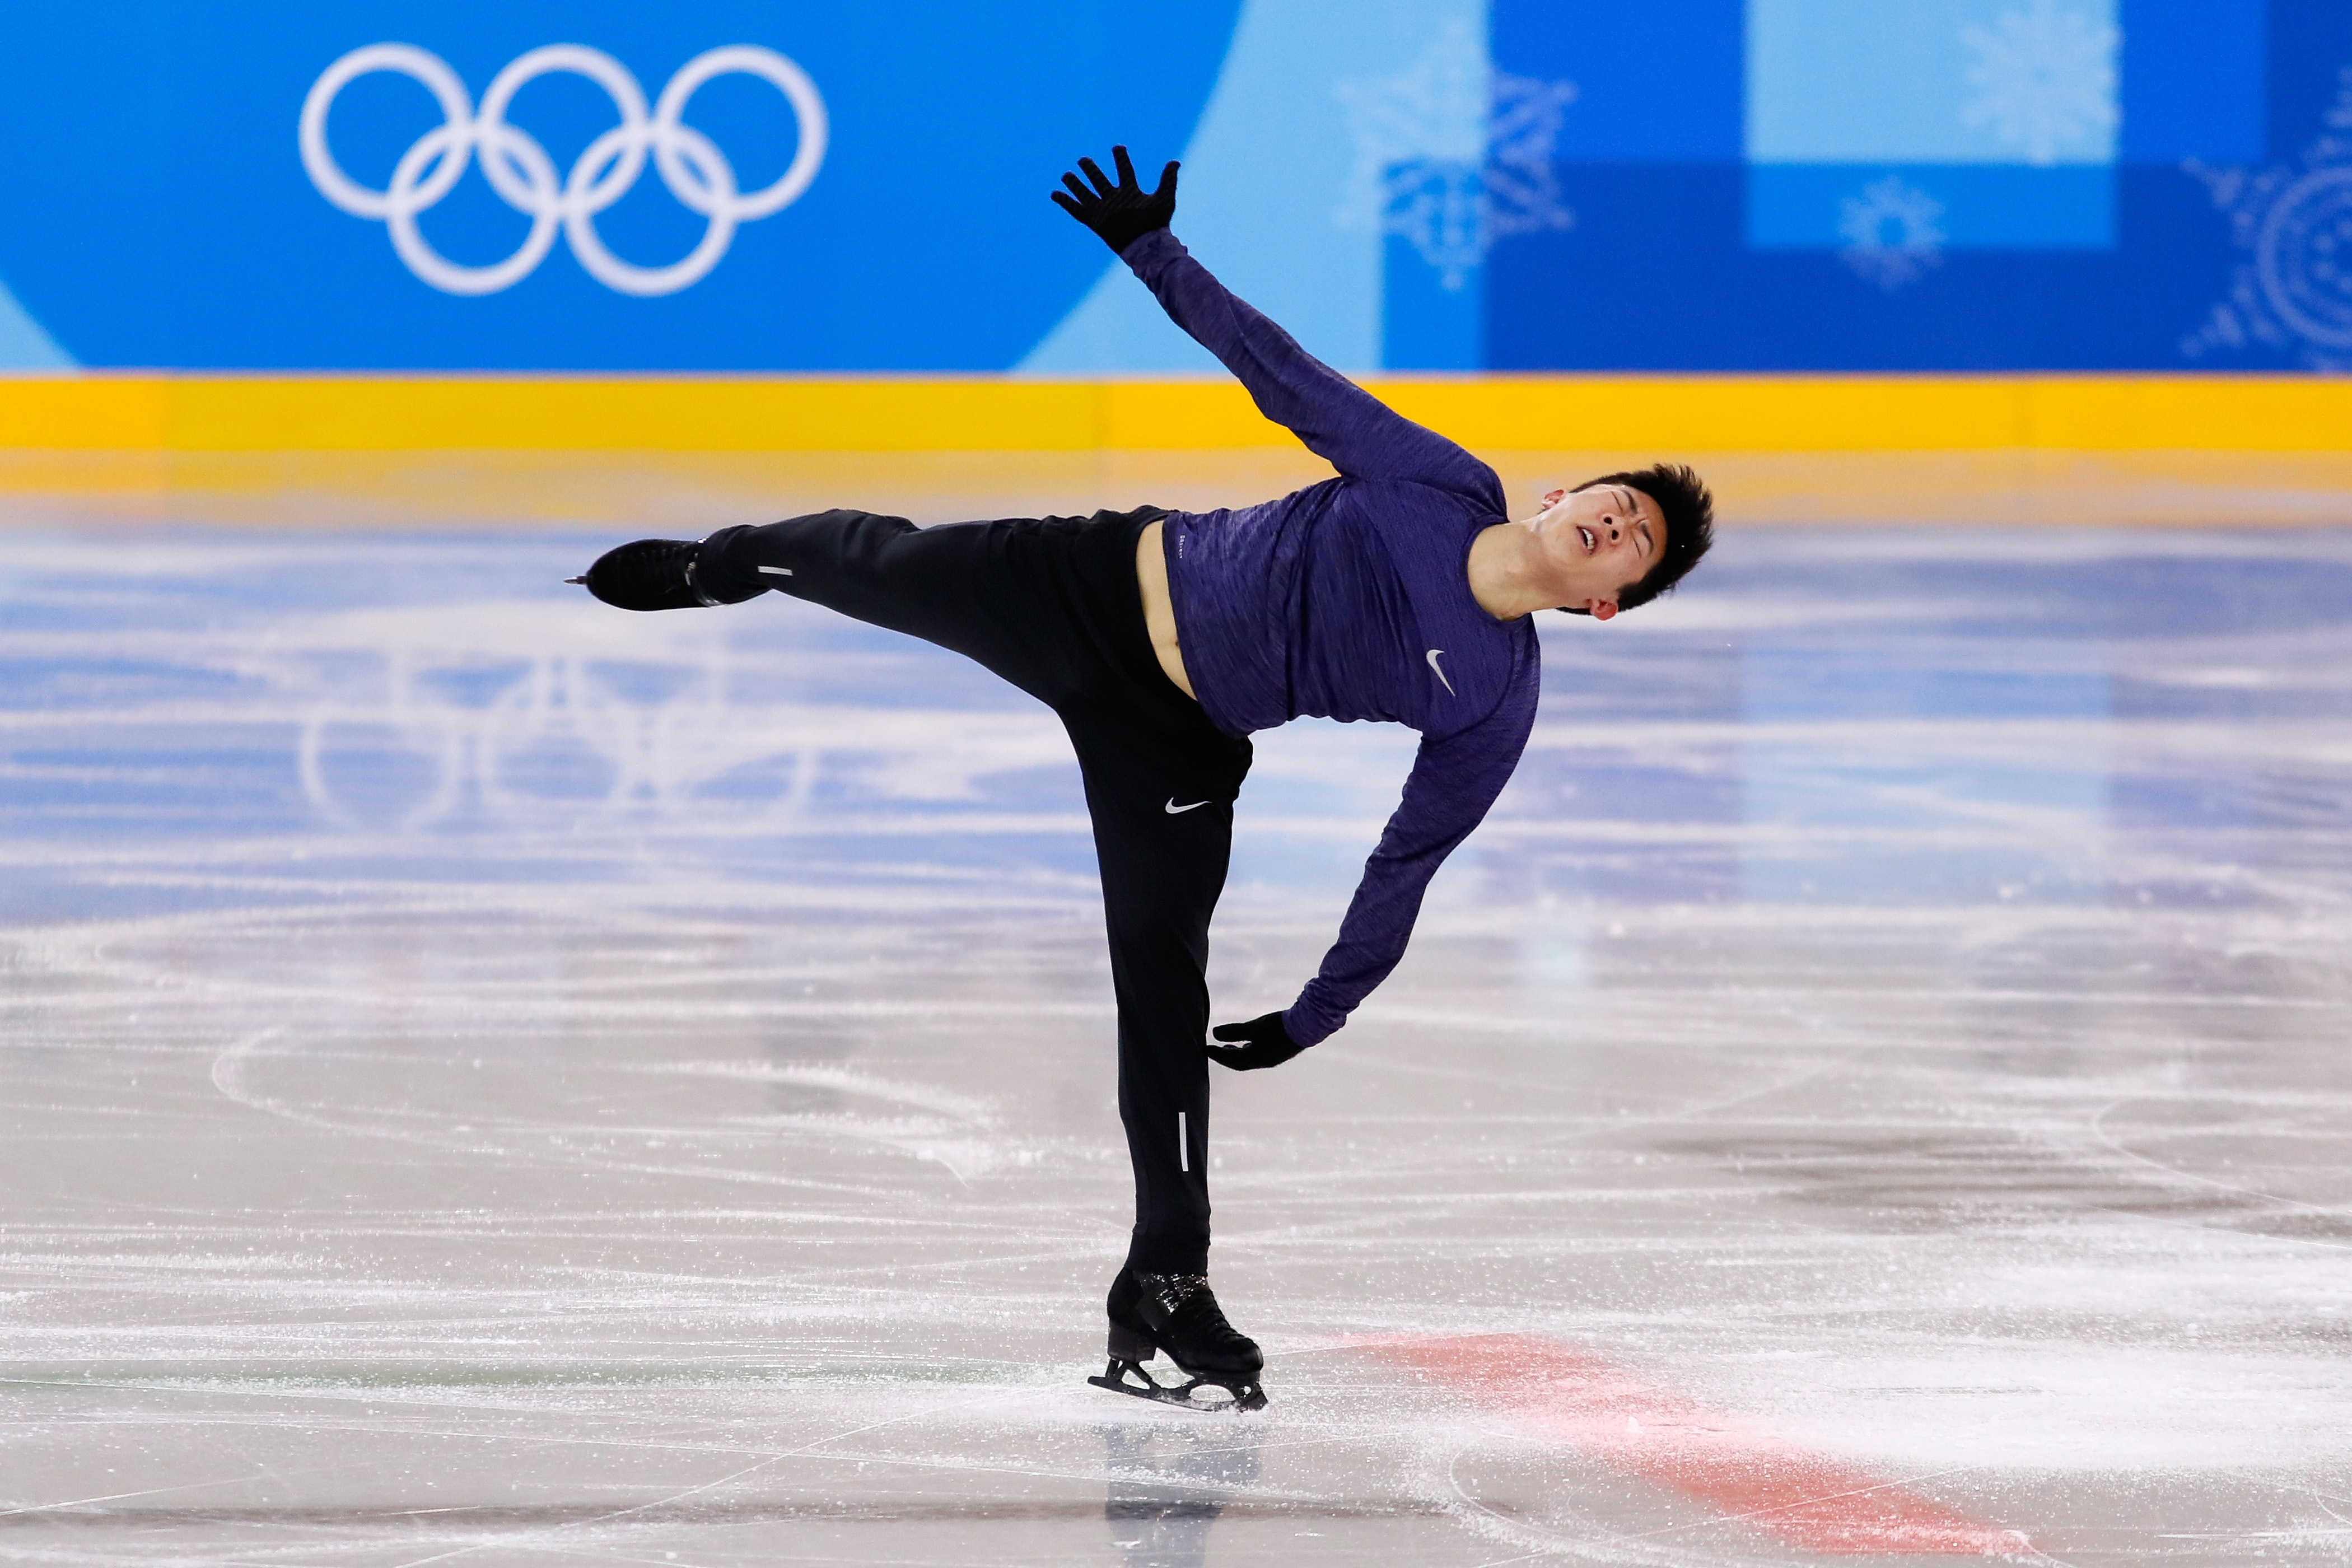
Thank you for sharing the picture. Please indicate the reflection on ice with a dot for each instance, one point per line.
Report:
(1167, 1483)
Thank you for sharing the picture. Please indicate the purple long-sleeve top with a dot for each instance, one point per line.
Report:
(1349, 599)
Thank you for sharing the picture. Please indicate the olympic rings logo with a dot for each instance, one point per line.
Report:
(520, 172)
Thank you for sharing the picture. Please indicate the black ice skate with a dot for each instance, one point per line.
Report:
(651, 575)
(1178, 1314)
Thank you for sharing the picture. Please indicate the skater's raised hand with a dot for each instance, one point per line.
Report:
(1119, 213)
(1260, 1043)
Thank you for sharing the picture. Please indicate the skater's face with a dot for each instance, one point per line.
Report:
(1599, 542)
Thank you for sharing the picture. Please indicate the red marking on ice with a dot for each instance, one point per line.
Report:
(1670, 1440)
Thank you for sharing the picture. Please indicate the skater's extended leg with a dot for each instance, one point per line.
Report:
(1010, 595)
(1023, 596)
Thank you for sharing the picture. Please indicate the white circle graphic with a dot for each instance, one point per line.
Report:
(2304, 257)
(518, 169)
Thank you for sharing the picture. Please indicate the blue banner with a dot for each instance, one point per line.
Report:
(1448, 185)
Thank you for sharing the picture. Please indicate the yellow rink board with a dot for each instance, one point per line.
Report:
(186, 413)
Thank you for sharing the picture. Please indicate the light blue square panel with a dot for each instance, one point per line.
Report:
(2032, 82)
(1925, 207)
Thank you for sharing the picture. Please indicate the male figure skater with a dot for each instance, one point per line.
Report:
(1400, 590)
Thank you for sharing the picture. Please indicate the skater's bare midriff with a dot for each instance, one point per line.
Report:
(1159, 609)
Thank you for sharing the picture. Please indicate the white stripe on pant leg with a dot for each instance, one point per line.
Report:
(777, 571)
(1184, 1146)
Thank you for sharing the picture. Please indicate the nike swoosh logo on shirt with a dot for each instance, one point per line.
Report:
(1441, 674)
(1175, 810)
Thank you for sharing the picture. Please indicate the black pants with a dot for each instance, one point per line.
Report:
(1051, 604)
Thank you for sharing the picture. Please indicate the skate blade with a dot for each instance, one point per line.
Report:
(1116, 1377)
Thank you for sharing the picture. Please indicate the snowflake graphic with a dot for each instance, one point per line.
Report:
(2045, 80)
(1453, 155)
(2295, 292)
(1891, 233)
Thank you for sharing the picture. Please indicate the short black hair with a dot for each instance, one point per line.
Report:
(1689, 511)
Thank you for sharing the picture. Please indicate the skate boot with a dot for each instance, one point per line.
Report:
(1178, 1314)
(652, 574)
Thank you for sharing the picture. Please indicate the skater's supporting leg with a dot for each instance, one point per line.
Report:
(1161, 798)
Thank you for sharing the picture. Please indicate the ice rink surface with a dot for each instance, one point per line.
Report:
(491, 1078)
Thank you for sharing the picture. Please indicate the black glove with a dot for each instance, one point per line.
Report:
(1121, 214)
(1260, 1043)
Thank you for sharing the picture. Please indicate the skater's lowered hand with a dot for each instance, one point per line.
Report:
(1119, 213)
(1260, 1043)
